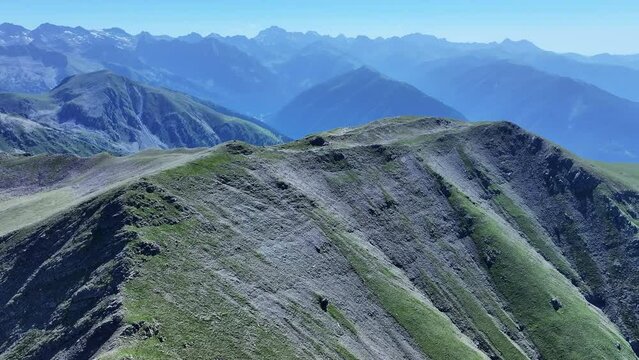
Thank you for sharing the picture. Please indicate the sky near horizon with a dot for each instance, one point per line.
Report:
(586, 26)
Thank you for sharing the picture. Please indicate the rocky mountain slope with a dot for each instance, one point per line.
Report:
(352, 99)
(90, 113)
(406, 238)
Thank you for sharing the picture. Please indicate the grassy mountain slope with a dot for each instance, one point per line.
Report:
(352, 99)
(405, 238)
(95, 112)
(33, 188)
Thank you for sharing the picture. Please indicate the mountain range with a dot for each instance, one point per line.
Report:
(575, 114)
(591, 108)
(103, 112)
(420, 238)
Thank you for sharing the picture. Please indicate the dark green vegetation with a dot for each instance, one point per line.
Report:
(415, 238)
(96, 112)
(352, 99)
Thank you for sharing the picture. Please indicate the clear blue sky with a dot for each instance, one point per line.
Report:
(585, 26)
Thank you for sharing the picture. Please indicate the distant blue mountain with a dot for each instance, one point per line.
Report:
(575, 114)
(227, 74)
(630, 61)
(312, 65)
(352, 99)
(260, 75)
(396, 56)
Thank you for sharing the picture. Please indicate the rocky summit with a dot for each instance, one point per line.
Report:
(407, 238)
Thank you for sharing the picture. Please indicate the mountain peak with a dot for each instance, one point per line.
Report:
(275, 33)
(11, 28)
(115, 114)
(146, 36)
(88, 82)
(116, 31)
(100, 74)
(355, 98)
(55, 28)
(272, 31)
(191, 38)
(366, 70)
(519, 45)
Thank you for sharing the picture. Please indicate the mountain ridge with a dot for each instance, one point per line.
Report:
(373, 235)
(126, 116)
(91, 50)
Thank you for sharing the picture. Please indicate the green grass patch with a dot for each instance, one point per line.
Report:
(344, 353)
(342, 178)
(521, 219)
(218, 161)
(540, 242)
(581, 256)
(30, 342)
(624, 173)
(486, 324)
(341, 319)
(391, 167)
(483, 321)
(22, 211)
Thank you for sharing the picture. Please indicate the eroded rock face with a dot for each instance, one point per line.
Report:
(562, 174)
(582, 182)
(590, 217)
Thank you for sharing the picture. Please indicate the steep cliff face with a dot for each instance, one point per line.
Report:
(406, 238)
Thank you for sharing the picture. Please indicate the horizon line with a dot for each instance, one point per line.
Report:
(314, 32)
